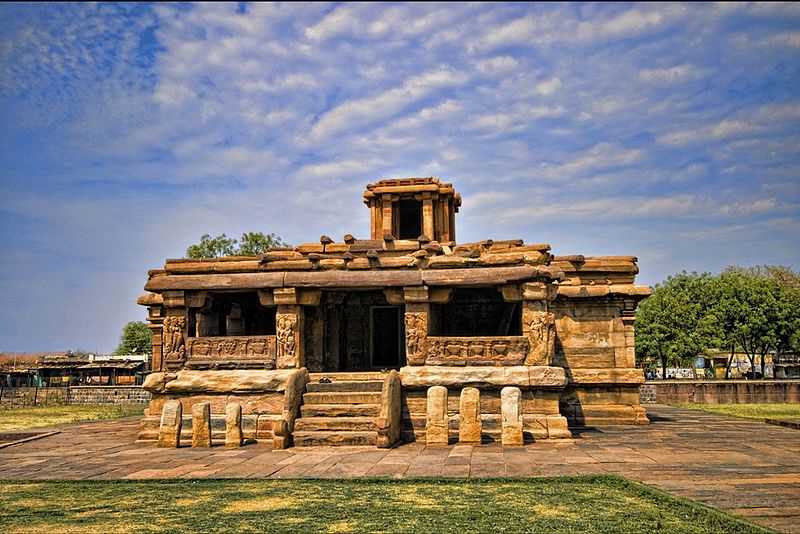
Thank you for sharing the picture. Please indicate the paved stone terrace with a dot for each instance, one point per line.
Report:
(744, 467)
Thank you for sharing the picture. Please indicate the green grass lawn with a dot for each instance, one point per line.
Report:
(40, 416)
(570, 504)
(750, 411)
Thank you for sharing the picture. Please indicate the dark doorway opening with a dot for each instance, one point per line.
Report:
(410, 219)
(476, 312)
(385, 333)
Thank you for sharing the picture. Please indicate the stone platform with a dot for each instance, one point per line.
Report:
(747, 468)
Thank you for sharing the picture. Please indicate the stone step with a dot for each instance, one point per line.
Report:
(353, 376)
(339, 410)
(341, 397)
(333, 439)
(354, 424)
(408, 436)
(350, 386)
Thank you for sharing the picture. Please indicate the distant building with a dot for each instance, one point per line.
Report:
(68, 369)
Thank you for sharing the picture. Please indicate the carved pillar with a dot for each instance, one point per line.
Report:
(538, 323)
(427, 216)
(155, 318)
(628, 320)
(173, 331)
(416, 321)
(289, 334)
(386, 215)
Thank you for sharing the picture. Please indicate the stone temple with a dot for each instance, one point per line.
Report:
(405, 336)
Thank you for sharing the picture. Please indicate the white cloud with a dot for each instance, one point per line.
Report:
(668, 75)
(548, 87)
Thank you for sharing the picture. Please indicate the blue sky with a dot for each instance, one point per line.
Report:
(666, 131)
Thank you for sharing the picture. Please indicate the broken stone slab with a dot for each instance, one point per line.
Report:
(169, 430)
(469, 416)
(223, 381)
(484, 376)
(511, 409)
(201, 424)
(233, 425)
(436, 423)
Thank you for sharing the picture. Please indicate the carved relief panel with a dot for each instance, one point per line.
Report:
(495, 350)
(172, 340)
(230, 351)
(287, 333)
(416, 335)
(539, 326)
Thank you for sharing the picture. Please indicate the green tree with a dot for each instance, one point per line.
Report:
(212, 247)
(251, 244)
(255, 243)
(676, 323)
(136, 339)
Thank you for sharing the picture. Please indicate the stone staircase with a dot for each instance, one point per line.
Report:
(341, 412)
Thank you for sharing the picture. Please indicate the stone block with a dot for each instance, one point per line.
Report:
(436, 431)
(233, 425)
(511, 406)
(469, 416)
(169, 430)
(201, 424)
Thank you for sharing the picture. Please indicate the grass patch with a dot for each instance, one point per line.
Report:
(749, 411)
(41, 416)
(569, 504)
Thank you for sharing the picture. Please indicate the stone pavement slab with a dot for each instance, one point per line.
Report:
(748, 468)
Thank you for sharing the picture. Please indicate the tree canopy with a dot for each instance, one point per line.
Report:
(136, 339)
(250, 244)
(755, 310)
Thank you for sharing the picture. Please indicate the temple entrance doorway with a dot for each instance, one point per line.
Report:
(385, 336)
(355, 330)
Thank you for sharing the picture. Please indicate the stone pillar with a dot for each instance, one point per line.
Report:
(289, 334)
(511, 408)
(173, 330)
(469, 416)
(538, 323)
(386, 215)
(201, 424)
(169, 431)
(436, 422)
(233, 425)
(628, 320)
(416, 321)
(427, 216)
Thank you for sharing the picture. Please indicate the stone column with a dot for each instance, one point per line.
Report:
(511, 408)
(469, 416)
(169, 431)
(416, 321)
(201, 424)
(386, 215)
(427, 216)
(436, 422)
(289, 334)
(233, 425)
(173, 330)
(628, 320)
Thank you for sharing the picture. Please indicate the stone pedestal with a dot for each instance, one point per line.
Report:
(201, 424)
(469, 416)
(169, 431)
(511, 408)
(233, 425)
(436, 425)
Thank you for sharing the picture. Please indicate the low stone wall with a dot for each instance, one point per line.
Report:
(32, 396)
(720, 391)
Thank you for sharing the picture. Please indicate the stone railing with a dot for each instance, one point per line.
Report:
(232, 351)
(494, 350)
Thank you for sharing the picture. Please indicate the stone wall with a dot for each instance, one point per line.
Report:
(720, 392)
(30, 396)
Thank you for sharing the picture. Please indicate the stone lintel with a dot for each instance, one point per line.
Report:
(485, 376)
(415, 294)
(174, 299)
(224, 381)
(606, 376)
(604, 291)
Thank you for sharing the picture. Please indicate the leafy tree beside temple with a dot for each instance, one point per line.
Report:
(753, 310)
(136, 339)
(251, 244)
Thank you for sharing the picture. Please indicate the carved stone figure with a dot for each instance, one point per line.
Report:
(286, 334)
(540, 329)
(416, 333)
(172, 335)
